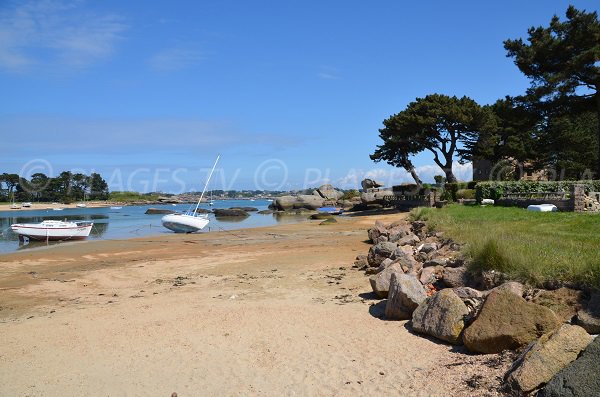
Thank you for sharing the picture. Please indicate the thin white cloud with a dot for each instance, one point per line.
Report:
(178, 58)
(395, 176)
(328, 73)
(55, 33)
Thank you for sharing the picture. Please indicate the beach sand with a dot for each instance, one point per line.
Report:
(275, 311)
(44, 206)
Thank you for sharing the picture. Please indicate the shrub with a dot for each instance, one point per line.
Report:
(450, 190)
(419, 214)
(490, 256)
(350, 194)
(467, 194)
(495, 189)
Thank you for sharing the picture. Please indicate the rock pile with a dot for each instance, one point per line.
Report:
(426, 280)
(325, 195)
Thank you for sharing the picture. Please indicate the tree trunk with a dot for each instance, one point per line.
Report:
(415, 176)
(598, 121)
(450, 178)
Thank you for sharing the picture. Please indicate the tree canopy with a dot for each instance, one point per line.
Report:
(440, 124)
(65, 187)
(563, 63)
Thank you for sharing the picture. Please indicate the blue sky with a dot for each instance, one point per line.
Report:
(290, 93)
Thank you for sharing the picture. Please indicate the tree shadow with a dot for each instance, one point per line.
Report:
(379, 211)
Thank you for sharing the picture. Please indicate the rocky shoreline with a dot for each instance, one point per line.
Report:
(423, 277)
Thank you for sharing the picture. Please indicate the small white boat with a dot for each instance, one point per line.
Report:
(190, 221)
(26, 204)
(81, 205)
(185, 223)
(14, 206)
(542, 208)
(57, 209)
(53, 230)
(115, 208)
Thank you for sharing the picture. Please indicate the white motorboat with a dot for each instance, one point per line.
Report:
(26, 204)
(57, 209)
(14, 206)
(50, 230)
(81, 205)
(190, 221)
(116, 208)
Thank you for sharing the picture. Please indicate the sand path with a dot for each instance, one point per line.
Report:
(268, 312)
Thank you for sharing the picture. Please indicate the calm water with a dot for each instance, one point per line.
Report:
(130, 221)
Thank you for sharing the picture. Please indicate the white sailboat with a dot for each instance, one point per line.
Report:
(190, 221)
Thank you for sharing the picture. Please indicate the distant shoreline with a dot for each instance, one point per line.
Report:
(99, 204)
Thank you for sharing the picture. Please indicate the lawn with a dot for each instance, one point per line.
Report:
(532, 247)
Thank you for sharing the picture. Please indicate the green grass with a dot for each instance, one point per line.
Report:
(131, 196)
(529, 246)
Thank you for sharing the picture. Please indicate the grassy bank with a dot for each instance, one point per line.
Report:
(529, 246)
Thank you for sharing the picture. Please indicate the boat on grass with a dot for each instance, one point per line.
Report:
(190, 221)
(50, 230)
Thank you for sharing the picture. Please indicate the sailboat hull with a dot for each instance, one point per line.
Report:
(181, 223)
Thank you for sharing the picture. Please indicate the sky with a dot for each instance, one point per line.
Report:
(291, 94)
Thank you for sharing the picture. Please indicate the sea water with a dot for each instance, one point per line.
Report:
(131, 221)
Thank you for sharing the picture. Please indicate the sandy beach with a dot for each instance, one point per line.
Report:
(275, 311)
(44, 206)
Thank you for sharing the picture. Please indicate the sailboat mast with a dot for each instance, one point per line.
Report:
(206, 184)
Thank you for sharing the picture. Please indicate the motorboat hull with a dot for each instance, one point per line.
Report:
(182, 223)
(56, 231)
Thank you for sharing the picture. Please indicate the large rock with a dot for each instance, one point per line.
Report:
(328, 192)
(404, 255)
(377, 231)
(397, 232)
(578, 379)
(370, 184)
(564, 302)
(544, 358)
(512, 287)
(286, 203)
(157, 211)
(455, 277)
(380, 282)
(379, 252)
(247, 209)
(376, 197)
(310, 202)
(410, 239)
(230, 212)
(441, 316)
(507, 321)
(431, 274)
(589, 318)
(405, 295)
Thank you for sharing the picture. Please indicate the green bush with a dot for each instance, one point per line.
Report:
(451, 189)
(350, 194)
(467, 194)
(495, 189)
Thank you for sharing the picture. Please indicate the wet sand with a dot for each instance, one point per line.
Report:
(275, 311)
